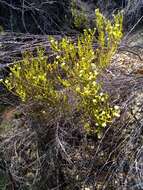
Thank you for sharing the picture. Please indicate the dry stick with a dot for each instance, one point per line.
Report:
(124, 48)
(10, 5)
(139, 20)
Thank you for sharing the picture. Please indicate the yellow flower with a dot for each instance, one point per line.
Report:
(104, 124)
(94, 83)
(63, 64)
(116, 107)
(94, 100)
(6, 81)
(77, 89)
(116, 114)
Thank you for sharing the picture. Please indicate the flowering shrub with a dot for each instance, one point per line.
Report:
(80, 19)
(76, 69)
